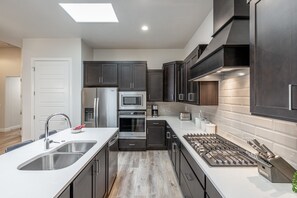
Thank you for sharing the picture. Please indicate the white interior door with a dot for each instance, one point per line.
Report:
(12, 103)
(51, 93)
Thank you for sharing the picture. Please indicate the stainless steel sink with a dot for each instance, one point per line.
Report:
(76, 147)
(51, 161)
(61, 157)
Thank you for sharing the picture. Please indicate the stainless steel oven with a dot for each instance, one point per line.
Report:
(132, 124)
(132, 100)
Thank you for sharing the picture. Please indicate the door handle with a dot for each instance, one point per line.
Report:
(95, 112)
(290, 97)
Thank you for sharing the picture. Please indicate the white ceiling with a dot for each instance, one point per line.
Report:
(172, 22)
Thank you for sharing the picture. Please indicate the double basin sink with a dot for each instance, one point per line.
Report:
(61, 157)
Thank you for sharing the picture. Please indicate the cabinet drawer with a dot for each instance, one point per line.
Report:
(190, 178)
(155, 122)
(211, 190)
(184, 188)
(132, 145)
(197, 170)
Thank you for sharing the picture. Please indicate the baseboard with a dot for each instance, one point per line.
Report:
(9, 129)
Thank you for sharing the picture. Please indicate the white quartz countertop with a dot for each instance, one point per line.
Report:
(16, 183)
(231, 182)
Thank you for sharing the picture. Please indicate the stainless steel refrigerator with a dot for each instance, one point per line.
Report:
(100, 107)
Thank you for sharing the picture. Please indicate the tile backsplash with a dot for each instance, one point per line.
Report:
(235, 122)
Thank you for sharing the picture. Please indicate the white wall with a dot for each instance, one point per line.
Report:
(50, 48)
(12, 103)
(154, 57)
(10, 65)
(202, 35)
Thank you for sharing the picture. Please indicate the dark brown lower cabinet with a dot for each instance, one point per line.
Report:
(132, 145)
(211, 191)
(83, 185)
(100, 175)
(91, 182)
(156, 136)
(195, 188)
(66, 193)
(192, 180)
(175, 157)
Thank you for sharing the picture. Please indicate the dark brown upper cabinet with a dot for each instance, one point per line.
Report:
(97, 74)
(273, 39)
(170, 80)
(155, 85)
(132, 76)
(192, 87)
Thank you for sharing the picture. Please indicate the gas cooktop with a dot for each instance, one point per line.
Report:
(217, 151)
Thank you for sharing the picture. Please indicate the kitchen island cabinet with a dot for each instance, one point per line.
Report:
(55, 183)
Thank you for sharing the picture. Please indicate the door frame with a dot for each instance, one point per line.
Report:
(33, 60)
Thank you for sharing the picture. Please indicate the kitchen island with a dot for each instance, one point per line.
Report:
(17, 183)
(230, 182)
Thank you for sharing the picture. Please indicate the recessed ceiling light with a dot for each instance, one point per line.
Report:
(241, 74)
(91, 12)
(144, 28)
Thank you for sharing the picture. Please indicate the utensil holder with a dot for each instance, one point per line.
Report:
(280, 170)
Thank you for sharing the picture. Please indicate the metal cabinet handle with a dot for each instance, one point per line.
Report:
(130, 85)
(181, 96)
(168, 135)
(131, 144)
(189, 177)
(97, 164)
(156, 123)
(174, 136)
(290, 97)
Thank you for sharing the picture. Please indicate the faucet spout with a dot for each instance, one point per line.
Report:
(46, 140)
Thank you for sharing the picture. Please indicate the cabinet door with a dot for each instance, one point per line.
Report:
(100, 174)
(155, 85)
(66, 193)
(272, 45)
(92, 74)
(294, 61)
(191, 179)
(109, 74)
(139, 78)
(83, 185)
(181, 83)
(168, 140)
(125, 77)
(169, 83)
(156, 137)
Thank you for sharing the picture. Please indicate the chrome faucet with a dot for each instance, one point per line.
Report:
(46, 140)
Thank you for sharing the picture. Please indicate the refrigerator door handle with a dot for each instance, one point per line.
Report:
(97, 109)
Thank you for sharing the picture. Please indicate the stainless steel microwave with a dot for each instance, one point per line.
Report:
(132, 100)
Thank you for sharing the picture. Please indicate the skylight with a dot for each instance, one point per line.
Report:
(91, 12)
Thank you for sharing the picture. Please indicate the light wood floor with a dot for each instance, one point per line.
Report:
(8, 139)
(147, 174)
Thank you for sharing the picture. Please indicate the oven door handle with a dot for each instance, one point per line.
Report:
(132, 116)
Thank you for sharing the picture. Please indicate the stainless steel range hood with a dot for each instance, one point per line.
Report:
(229, 48)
